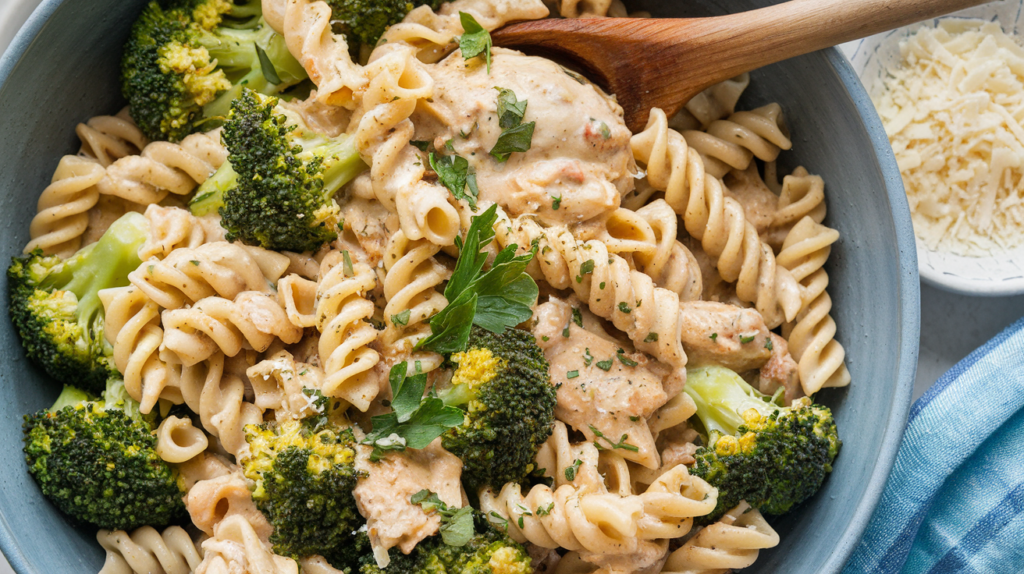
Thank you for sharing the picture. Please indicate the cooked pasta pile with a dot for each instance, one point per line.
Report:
(621, 266)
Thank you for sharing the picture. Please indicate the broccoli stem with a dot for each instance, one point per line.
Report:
(210, 196)
(70, 397)
(722, 396)
(102, 265)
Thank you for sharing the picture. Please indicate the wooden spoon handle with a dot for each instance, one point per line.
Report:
(749, 40)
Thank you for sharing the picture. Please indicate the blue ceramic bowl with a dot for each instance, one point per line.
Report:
(62, 69)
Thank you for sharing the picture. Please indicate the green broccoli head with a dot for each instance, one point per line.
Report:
(55, 306)
(502, 383)
(277, 188)
(365, 21)
(97, 461)
(303, 478)
(773, 457)
(489, 552)
(185, 60)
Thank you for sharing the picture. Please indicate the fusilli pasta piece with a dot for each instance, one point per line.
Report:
(146, 551)
(132, 326)
(109, 138)
(626, 297)
(219, 400)
(64, 207)
(278, 383)
(812, 336)
(732, 143)
(731, 543)
(383, 132)
(223, 269)
(163, 168)
(170, 228)
(715, 220)
(412, 276)
(298, 296)
(342, 317)
(252, 320)
(178, 441)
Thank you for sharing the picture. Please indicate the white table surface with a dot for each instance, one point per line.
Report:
(951, 325)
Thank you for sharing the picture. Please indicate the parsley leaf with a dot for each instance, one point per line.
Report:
(570, 472)
(621, 444)
(421, 145)
(495, 299)
(517, 139)
(456, 174)
(415, 421)
(475, 41)
(510, 110)
(456, 523)
(267, 66)
(401, 318)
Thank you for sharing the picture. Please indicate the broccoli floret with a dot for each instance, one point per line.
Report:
(97, 461)
(303, 477)
(186, 60)
(773, 457)
(502, 383)
(365, 21)
(276, 190)
(56, 308)
(490, 552)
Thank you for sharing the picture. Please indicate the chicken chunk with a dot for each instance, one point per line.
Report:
(780, 371)
(603, 388)
(716, 333)
(383, 496)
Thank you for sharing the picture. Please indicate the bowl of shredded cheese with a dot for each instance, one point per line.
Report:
(950, 93)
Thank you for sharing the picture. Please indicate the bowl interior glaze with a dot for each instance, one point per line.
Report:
(62, 69)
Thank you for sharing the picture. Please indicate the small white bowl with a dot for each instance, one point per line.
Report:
(1001, 274)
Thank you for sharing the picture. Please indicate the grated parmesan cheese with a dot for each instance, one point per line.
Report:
(954, 112)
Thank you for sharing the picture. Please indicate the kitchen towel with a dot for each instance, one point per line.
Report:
(955, 499)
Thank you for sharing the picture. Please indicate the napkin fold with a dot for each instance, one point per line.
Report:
(955, 499)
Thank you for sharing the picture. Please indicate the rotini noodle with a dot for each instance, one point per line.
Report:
(278, 382)
(733, 143)
(236, 547)
(718, 222)
(412, 275)
(252, 320)
(64, 207)
(132, 326)
(109, 138)
(342, 317)
(731, 543)
(219, 400)
(163, 168)
(146, 551)
(223, 269)
(178, 441)
(812, 336)
(170, 228)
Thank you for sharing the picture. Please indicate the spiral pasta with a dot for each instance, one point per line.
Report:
(132, 326)
(170, 228)
(716, 221)
(223, 269)
(731, 543)
(412, 275)
(64, 207)
(110, 138)
(178, 441)
(278, 383)
(252, 320)
(342, 314)
(146, 551)
(612, 290)
(579, 513)
(164, 167)
(218, 399)
(236, 547)
(383, 132)
(811, 337)
(732, 143)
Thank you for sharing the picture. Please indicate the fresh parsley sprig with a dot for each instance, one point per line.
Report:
(495, 299)
(456, 523)
(475, 41)
(416, 419)
(457, 175)
(621, 444)
(517, 136)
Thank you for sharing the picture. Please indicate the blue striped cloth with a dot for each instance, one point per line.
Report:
(955, 499)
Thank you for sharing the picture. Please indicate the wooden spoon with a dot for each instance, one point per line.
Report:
(663, 62)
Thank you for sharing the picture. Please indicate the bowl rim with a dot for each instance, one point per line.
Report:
(908, 288)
